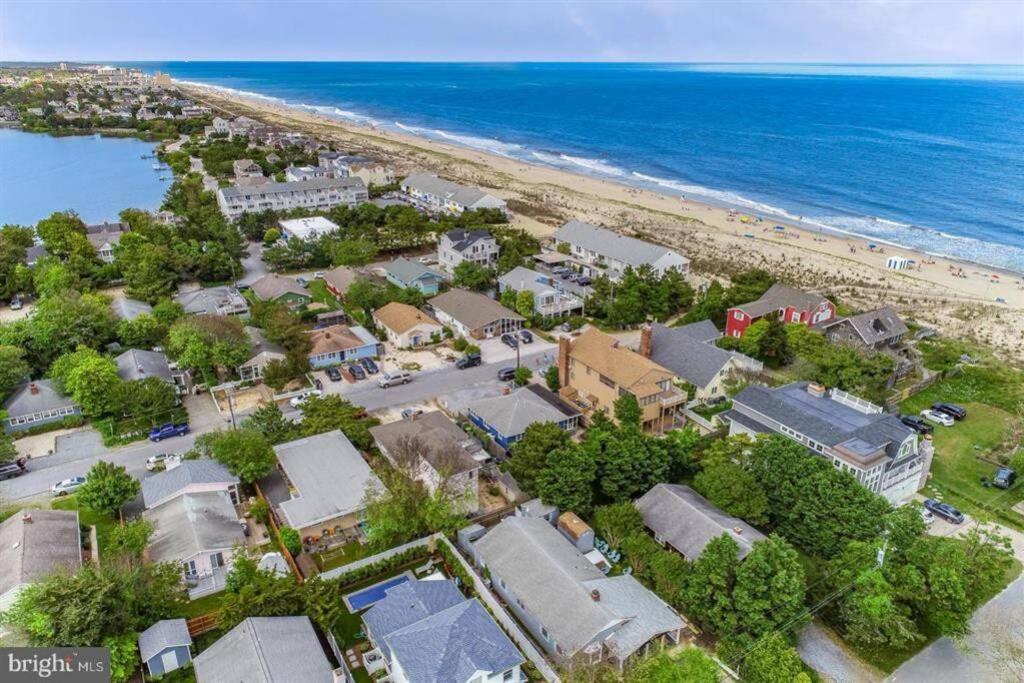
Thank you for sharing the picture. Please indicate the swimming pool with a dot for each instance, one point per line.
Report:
(366, 597)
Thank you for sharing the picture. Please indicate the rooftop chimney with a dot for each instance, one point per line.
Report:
(645, 341)
(595, 595)
(33, 388)
(816, 390)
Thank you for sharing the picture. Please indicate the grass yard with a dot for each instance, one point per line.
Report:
(342, 555)
(708, 412)
(104, 523)
(204, 605)
(318, 290)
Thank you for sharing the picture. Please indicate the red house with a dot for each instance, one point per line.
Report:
(792, 305)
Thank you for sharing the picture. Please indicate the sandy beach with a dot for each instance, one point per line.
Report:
(958, 298)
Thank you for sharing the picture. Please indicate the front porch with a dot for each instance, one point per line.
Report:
(207, 583)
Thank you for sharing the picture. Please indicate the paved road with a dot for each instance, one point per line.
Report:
(823, 651)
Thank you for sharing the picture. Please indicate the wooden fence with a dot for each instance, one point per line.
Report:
(276, 533)
(205, 623)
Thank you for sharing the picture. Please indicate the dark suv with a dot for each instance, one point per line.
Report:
(945, 510)
(951, 409)
(917, 424)
(470, 360)
(1004, 478)
(506, 374)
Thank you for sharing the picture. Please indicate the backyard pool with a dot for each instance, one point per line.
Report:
(366, 597)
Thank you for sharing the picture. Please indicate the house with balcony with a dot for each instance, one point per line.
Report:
(428, 632)
(549, 298)
(597, 251)
(410, 274)
(458, 245)
(438, 196)
(296, 173)
(189, 476)
(222, 300)
(876, 330)
(856, 436)
(595, 369)
(318, 194)
(372, 172)
(244, 168)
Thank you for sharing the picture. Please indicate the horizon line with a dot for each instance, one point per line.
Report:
(4, 62)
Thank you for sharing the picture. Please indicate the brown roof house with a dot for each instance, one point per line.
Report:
(595, 369)
(339, 280)
(339, 343)
(470, 314)
(406, 326)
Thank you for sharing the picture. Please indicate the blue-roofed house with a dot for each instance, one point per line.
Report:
(428, 632)
(406, 273)
(506, 417)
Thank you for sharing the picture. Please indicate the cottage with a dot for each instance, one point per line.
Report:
(307, 228)
(339, 343)
(878, 329)
(475, 246)
(433, 194)
(471, 314)
(263, 353)
(267, 650)
(428, 632)
(281, 289)
(165, 646)
(35, 403)
(137, 364)
(246, 167)
(188, 476)
(682, 518)
(703, 365)
(789, 303)
(105, 237)
(318, 194)
(406, 273)
(221, 300)
(856, 436)
(597, 251)
(549, 298)
(406, 326)
(35, 544)
(436, 452)
(296, 173)
(129, 309)
(506, 417)
(339, 279)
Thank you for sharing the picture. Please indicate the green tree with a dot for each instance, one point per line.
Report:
(245, 452)
(627, 411)
(327, 413)
(206, 341)
(129, 540)
(61, 232)
(61, 323)
(629, 462)
(508, 298)
(269, 421)
(290, 540)
(90, 379)
(404, 509)
(733, 489)
(522, 376)
(681, 446)
(257, 593)
(150, 400)
(353, 252)
(124, 656)
(8, 451)
(770, 587)
(707, 592)
(473, 276)
(567, 480)
(771, 660)
(524, 303)
(14, 369)
(142, 332)
(107, 487)
(551, 378)
(271, 235)
(692, 665)
(766, 340)
(873, 616)
(617, 522)
(529, 454)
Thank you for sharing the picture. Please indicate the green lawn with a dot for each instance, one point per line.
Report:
(351, 626)
(708, 412)
(318, 290)
(342, 555)
(204, 605)
(104, 523)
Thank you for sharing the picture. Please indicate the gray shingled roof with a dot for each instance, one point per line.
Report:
(266, 650)
(193, 523)
(160, 485)
(513, 413)
(431, 184)
(271, 286)
(407, 272)
(329, 475)
(136, 364)
(521, 278)
(24, 402)
(463, 239)
(472, 309)
(33, 549)
(875, 326)
(690, 359)
(296, 186)
(685, 520)
(408, 603)
(781, 296)
(129, 309)
(162, 635)
(612, 245)
(445, 446)
(702, 330)
(208, 300)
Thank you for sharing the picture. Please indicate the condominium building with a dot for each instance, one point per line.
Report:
(316, 193)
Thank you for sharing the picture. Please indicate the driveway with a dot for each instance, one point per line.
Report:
(826, 653)
(494, 351)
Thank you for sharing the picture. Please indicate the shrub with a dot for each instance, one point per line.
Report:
(260, 511)
(290, 540)
(460, 344)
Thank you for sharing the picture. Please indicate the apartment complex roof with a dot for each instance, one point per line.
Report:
(296, 186)
(472, 309)
(612, 245)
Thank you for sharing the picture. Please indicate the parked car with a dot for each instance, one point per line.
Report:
(583, 281)
(565, 274)
(318, 274)
(66, 486)
(945, 510)
(927, 517)
(952, 409)
(167, 431)
(368, 365)
(10, 470)
(411, 412)
(242, 287)
(157, 461)
(16, 304)
(526, 336)
(509, 340)
(303, 397)
(559, 270)
(917, 424)
(357, 371)
(573, 277)
(1004, 478)
(938, 417)
(506, 374)
(334, 374)
(303, 282)
(390, 379)
(470, 360)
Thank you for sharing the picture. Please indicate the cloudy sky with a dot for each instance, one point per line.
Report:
(886, 31)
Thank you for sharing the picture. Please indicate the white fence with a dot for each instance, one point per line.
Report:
(345, 569)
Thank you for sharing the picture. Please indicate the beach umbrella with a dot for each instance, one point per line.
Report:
(779, 227)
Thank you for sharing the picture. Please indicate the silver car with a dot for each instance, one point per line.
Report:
(66, 486)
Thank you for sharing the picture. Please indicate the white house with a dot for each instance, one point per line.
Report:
(458, 245)
(443, 196)
(597, 251)
(36, 543)
(306, 228)
(317, 194)
(296, 173)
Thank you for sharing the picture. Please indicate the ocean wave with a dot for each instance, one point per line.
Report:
(593, 165)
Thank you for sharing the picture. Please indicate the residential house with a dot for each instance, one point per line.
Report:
(318, 194)
(105, 237)
(199, 531)
(685, 520)
(371, 171)
(34, 253)
(306, 228)
(878, 329)
(129, 309)
(474, 315)
(703, 365)
(549, 299)
(246, 168)
(181, 477)
(319, 487)
(435, 451)
(406, 326)
(35, 544)
(505, 418)
(35, 403)
(263, 352)
(576, 613)
(596, 251)
(458, 245)
(222, 300)
(856, 436)
(221, 126)
(296, 173)
(339, 279)
(165, 646)
(267, 650)
(281, 289)
(595, 369)
(406, 273)
(433, 194)
(428, 632)
(138, 364)
(338, 343)
(789, 303)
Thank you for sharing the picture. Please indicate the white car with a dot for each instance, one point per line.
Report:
(157, 461)
(938, 417)
(303, 397)
(66, 486)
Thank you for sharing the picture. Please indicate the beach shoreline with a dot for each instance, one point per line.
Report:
(956, 295)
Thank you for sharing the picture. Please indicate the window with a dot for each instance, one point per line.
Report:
(544, 633)
(737, 315)
(507, 676)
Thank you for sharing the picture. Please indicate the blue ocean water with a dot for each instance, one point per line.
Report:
(925, 156)
(95, 176)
